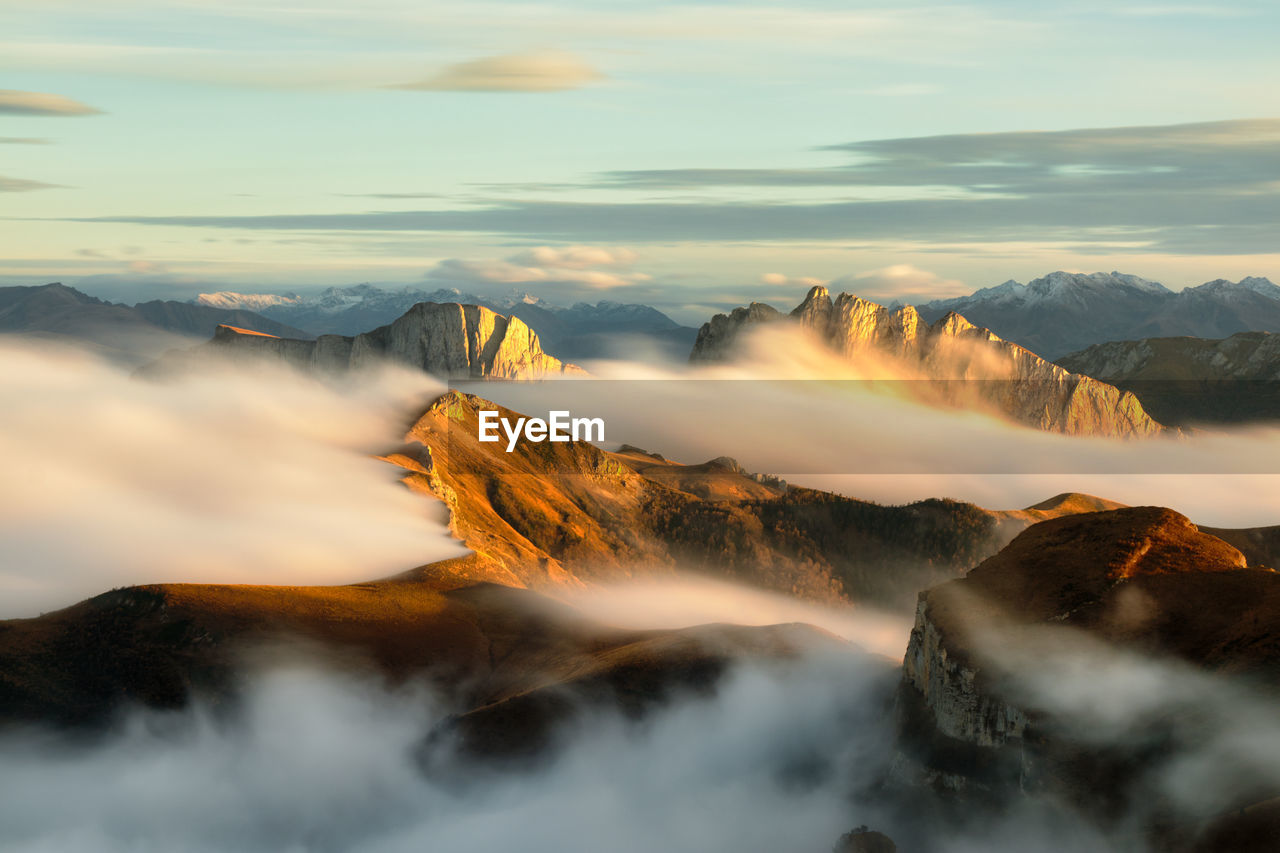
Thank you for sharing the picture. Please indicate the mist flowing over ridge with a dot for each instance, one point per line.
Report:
(969, 364)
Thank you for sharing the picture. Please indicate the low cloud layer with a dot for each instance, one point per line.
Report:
(665, 602)
(792, 407)
(320, 762)
(248, 477)
(782, 757)
(542, 71)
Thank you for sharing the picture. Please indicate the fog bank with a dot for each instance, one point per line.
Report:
(239, 476)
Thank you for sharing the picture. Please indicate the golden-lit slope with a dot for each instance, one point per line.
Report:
(569, 513)
(479, 644)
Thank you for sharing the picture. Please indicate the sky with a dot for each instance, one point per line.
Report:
(689, 155)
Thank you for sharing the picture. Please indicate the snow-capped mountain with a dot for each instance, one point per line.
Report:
(1065, 312)
(231, 300)
(578, 332)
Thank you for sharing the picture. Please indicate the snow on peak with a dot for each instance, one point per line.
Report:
(250, 301)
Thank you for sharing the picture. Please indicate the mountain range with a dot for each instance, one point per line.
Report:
(967, 364)
(514, 665)
(1186, 380)
(130, 334)
(581, 331)
(1064, 312)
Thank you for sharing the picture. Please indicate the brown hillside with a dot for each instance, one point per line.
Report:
(480, 644)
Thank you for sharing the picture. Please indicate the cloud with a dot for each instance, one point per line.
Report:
(575, 257)
(21, 185)
(542, 71)
(14, 102)
(903, 90)
(903, 282)
(777, 279)
(812, 416)
(388, 195)
(546, 264)
(1207, 156)
(144, 267)
(1135, 189)
(257, 477)
(316, 760)
(24, 140)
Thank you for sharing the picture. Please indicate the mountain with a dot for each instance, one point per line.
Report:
(550, 515)
(606, 330)
(509, 658)
(1064, 312)
(338, 310)
(1188, 380)
(579, 332)
(998, 375)
(447, 340)
(1140, 580)
(512, 664)
(130, 334)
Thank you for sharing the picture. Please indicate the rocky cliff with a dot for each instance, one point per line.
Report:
(1135, 580)
(448, 340)
(971, 365)
(1192, 380)
(1247, 355)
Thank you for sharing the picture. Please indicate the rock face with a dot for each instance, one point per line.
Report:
(1247, 355)
(1065, 312)
(716, 338)
(997, 374)
(1141, 579)
(863, 840)
(1192, 380)
(448, 340)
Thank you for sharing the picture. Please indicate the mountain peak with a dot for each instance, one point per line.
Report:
(1061, 284)
(1226, 287)
(816, 309)
(445, 339)
(1044, 395)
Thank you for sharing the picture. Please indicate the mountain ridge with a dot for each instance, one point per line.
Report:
(447, 340)
(1064, 312)
(1187, 380)
(582, 330)
(997, 374)
(128, 333)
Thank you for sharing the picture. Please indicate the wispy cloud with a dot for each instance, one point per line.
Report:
(24, 140)
(542, 71)
(1182, 10)
(14, 102)
(596, 268)
(903, 282)
(21, 185)
(1194, 188)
